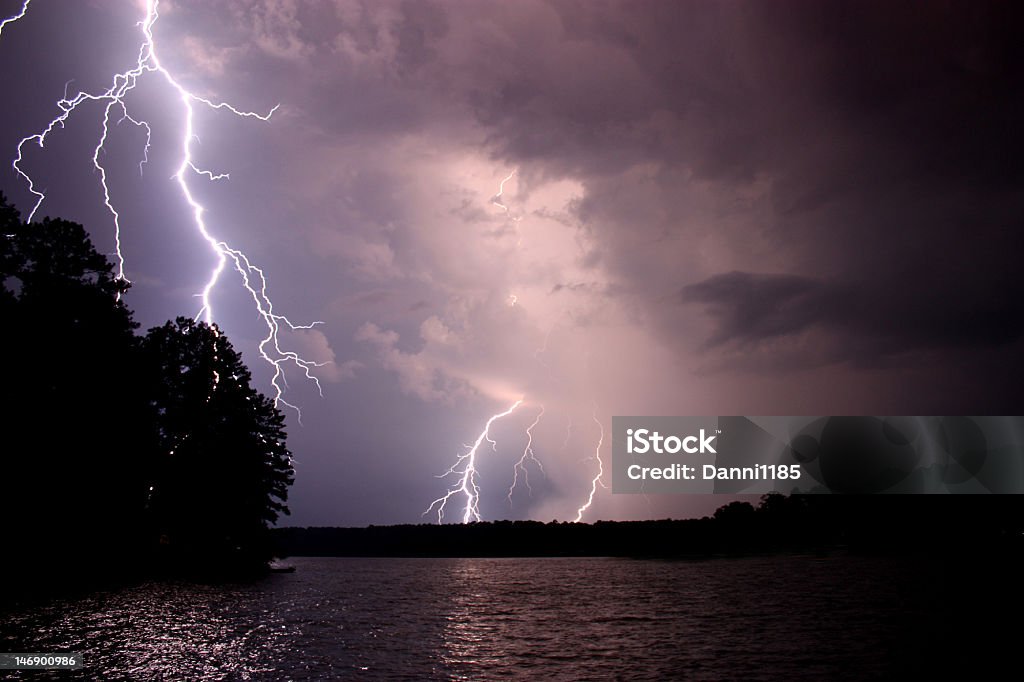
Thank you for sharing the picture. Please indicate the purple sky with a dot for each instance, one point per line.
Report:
(718, 208)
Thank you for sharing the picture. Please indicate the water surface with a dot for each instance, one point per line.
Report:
(484, 619)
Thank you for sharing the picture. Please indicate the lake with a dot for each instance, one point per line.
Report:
(495, 619)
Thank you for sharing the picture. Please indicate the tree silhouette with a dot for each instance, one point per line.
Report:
(78, 430)
(113, 445)
(224, 469)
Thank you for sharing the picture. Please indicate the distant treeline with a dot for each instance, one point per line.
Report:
(928, 523)
(119, 452)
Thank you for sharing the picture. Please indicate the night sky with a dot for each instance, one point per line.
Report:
(764, 208)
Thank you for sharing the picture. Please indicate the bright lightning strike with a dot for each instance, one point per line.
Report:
(528, 456)
(496, 199)
(12, 19)
(467, 482)
(253, 278)
(465, 466)
(600, 471)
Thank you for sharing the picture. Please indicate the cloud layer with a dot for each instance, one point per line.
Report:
(717, 208)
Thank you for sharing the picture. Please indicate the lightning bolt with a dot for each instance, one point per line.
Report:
(253, 278)
(496, 199)
(600, 471)
(464, 467)
(467, 481)
(14, 18)
(528, 454)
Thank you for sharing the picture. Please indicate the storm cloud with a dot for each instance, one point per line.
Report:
(717, 208)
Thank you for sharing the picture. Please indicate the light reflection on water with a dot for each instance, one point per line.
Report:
(477, 619)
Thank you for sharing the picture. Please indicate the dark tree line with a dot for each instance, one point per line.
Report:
(120, 451)
(975, 527)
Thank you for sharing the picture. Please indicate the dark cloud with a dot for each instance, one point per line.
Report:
(870, 318)
(669, 153)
